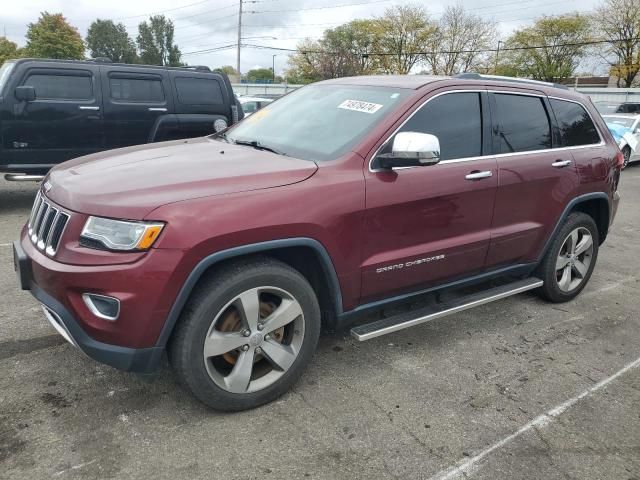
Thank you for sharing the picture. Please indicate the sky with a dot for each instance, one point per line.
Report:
(210, 24)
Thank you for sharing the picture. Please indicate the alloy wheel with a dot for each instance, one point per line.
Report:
(254, 340)
(574, 259)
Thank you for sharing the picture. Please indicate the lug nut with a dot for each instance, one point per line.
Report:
(246, 333)
(258, 350)
(260, 326)
(245, 348)
(267, 337)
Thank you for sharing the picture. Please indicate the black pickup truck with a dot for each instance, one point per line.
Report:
(55, 110)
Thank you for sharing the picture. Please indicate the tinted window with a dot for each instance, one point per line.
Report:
(576, 126)
(456, 119)
(61, 87)
(136, 89)
(524, 123)
(629, 108)
(198, 91)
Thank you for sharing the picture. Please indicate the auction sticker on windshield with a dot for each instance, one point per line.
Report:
(360, 106)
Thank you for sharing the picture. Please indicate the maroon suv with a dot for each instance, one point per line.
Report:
(229, 252)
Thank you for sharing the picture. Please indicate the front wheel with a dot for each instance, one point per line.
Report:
(626, 153)
(570, 260)
(246, 335)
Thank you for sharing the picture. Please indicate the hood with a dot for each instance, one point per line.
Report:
(131, 182)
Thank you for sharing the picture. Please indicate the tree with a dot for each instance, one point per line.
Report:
(259, 75)
(155, 42)
(8, 50)
(106, 39)
(618, 21)
(405, 34)
(53, 37)
(561, 47)
(458, 42)
(342, 51)
(226, 69)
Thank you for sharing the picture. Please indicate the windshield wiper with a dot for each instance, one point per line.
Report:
(259, 146)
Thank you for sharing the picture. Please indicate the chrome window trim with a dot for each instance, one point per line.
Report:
(497, 155)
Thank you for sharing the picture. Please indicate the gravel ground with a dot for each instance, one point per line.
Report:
(514, 389)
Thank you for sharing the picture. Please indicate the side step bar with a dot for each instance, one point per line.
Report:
(431, 312)
(19, 177)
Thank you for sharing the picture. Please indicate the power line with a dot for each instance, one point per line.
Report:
(450, 52)
(325, 7)
(163, 11)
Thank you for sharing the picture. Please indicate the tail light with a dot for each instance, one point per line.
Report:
(619, 159)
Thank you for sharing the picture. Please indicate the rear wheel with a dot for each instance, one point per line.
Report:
(246, 335)
(570, 260)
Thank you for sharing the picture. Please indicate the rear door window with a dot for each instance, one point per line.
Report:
(524, 123)
(146, 89)
(59, 86)
(575, 124)
(456, 119)
(199, 91)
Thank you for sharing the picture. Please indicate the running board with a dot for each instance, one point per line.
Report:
(431, 312)
(20, 177)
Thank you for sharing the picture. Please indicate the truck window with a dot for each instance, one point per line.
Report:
(141, 90)
(576, 126)
(199, 91)
(524, 123)
(59, 86)
(451, 117)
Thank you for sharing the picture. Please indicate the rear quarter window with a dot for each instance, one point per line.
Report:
(575, 124)
(199, 91)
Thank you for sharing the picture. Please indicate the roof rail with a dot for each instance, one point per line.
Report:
(477, 76)
(198, 68)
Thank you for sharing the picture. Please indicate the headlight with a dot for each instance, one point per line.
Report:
(120, 234)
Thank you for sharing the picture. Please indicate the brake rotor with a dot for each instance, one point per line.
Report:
(231, 322)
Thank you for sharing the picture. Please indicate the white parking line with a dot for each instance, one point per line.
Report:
(467, 467)
(5, 244)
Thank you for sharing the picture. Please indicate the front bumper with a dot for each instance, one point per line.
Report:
(138, 360)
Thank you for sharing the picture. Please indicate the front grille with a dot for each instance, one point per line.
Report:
(46, 225)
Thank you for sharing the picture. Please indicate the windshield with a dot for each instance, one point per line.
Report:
(318, 122)
(5, 70)
(622, 121)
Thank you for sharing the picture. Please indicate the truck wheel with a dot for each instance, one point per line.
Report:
(570, 260)
(626, 153)
(246, 334)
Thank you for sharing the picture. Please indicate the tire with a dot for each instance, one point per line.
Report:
(626, 152)
(257, 295)
(565, 272)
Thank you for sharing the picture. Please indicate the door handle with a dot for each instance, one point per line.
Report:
(157, 109)
(561, 163)
(479, 175)
(88, 107)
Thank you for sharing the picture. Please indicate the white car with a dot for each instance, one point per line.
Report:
(253, 104)
(625, 128)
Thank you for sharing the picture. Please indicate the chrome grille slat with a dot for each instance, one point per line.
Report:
(46, 225)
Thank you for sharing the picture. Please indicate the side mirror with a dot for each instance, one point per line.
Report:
(25, 93)
(411, 149)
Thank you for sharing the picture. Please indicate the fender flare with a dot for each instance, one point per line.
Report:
(217, 257)
(570, 206)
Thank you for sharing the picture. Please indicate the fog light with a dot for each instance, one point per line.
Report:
(107, 308)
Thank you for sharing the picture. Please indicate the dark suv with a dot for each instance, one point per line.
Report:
(339, 199)
(55, 110)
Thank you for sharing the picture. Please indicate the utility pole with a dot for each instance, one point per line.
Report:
(273, 67)
(495, 68)
(239, 40)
